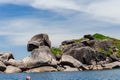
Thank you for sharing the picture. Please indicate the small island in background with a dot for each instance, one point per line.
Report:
(92, 52)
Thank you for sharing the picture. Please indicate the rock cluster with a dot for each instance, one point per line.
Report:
(88, 54)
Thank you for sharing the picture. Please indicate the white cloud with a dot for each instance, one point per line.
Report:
(19, 31)
(106, 10)
(55, 4)
(45, 4)
(103, 10)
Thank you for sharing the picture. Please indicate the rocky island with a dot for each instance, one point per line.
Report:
(91, 52)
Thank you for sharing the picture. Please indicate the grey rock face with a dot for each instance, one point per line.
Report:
(39, 57)
(86, 55)
(2, 66)
(38, 40)
(67, 42)
(42, 69)
(112, 65)
(12, 69)
(89, 36)
(83, 54)
(70, 61)
(68, 68)
(5, 56)
(103, 44)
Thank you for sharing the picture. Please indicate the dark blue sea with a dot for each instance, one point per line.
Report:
(84, 75)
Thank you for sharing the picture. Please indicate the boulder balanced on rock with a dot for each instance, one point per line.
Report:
(38, 40)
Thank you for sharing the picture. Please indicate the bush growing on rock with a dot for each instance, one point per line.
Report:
(56, 51)
(116, 41)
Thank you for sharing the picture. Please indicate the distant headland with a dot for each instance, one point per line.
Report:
(91, 52)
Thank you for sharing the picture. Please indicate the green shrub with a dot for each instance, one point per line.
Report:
(102, 37)
(107, 52)
(56, 51)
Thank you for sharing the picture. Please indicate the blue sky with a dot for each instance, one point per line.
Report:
(60, 19)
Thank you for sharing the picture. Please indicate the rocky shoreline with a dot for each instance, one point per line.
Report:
(87, 53)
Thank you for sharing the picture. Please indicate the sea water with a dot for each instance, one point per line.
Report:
(81, 75)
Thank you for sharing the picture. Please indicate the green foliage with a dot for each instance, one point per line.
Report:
(107, 52)
(102, 37)
(56, 51)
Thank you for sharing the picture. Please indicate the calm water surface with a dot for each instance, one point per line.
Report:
(84, 75)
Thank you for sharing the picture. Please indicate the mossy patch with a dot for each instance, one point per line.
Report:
(102, 37)
(56, 51)
(107, 52)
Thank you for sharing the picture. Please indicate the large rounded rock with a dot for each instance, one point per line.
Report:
(89, 43)
(68, 68)
(42, 69)
(89, 36)
(39, 57)
(95, 67)
(83, 54)
(67, 42)
(12, 69)
(70, 61)
(104, 44)
(86, 55)
(2, 66)
(66, 48)
(38, 40)
(112, 65)
(5, 56)
(16, 63)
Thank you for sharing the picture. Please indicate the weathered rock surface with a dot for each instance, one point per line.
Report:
(5, 56)
(68, 68)
(42, 69)
(39, 57)
(112, 65)
(86, 55)
(95, 67)
(16, 63)
(67, 42)
(91, 51)
(70, 61)
(38, 40)
(12, 69)
(82, 54)
(89, 36)
(66, 48)
(103, 44)
(2, 66)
